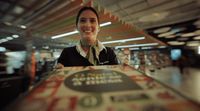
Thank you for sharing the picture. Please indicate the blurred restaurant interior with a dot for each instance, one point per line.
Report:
(145, 34)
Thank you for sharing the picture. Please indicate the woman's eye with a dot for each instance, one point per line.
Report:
(92, 20)
(82, 20)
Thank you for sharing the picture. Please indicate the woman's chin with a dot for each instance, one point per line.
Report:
(90, 41)
(89, 38)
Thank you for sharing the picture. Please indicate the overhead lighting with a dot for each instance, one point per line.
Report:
(165, 34)
(2, 49)
(136, 45)
(105, 24)
(123, 40)
(15, 36)
(4, 40)
(193, 43)
(9, 38)
(134, 48)
(33, 47)
(1, 41)
(176, 43)
(8, 23)
(23, 26)
(147, 47)
(199, 50)
(76, 31)
(65, 34)
(197, 38)
(162, 47)
(45, 47)
(18, 9)
(188, 34)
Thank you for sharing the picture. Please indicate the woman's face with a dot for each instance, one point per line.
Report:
(88, 26)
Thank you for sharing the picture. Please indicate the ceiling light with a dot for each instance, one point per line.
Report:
(199, 50)
(4, 40)
(162, 30)
(23, 26)
(176, 43)
(15, 36)
(1, 41)
(65, 34)
(33, 47)
(197, 38)
(134, 48)
(147, 47)
(188, 34)
(166, 34)
(162, 47)
(123, 40)
(193, 43)
(9, 38)
(105, 24)
(2, 49)
(136, 45)
(46, 47)
(8, 23)
(18, 9)
(75, 32)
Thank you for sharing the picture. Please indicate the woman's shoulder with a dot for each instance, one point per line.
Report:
(69, 49)
(109, 48)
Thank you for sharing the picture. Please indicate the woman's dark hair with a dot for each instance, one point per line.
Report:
(84, 9)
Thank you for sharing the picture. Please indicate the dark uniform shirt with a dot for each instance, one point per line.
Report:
(71, 57)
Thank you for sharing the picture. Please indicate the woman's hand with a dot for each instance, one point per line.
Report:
(59, 66)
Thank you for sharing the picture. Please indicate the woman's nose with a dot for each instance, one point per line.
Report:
(88, 23)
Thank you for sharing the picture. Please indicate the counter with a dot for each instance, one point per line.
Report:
(102, 88)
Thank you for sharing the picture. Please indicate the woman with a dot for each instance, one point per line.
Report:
(89, 51)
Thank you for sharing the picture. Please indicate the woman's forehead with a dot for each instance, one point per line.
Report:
(88, 14)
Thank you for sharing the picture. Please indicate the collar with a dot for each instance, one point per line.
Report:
(82, 52)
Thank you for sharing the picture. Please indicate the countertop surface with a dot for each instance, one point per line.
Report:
(105, 88)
